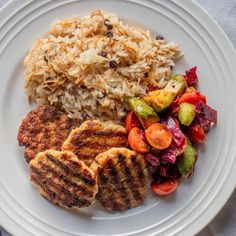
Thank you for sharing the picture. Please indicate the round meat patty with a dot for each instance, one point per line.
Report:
(63, 179)
(94, 137)
(44, 128)
(122, 178)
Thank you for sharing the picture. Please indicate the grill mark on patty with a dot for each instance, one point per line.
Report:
(47, 138)
(140, 177)
(102, 177)
(112, 200)
(115, 179)
(86, 177)
(81, 155)
(112, 172)
(132, 181)
(122, 167)
(65, 180)
(68, 196)
(92, 145)
(58, 134)
(43, 128)
(75, 164)
(140, 173)
(100, 134)
(122, 186)
(50, 195)
(85, 174)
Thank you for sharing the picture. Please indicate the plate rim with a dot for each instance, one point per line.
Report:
(13, 5)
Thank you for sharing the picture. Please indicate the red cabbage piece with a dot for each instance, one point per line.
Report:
(153, 160)
(178, 136)
(174, 108)
(178, 141)
(163, 170)
(191, 76)
(170, 156)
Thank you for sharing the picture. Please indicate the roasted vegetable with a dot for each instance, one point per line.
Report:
(152, 160)
(206, 116)
(187, 161)
(196, 133)
(192, 97)
(146, 115)
(186, 113)
(160, 99)
(158, 136)
(131, 121)
(190, 89)
(150, 121)
(137, 140)
(176, 84)
(165, 188)
(178, 136)
(191, 76)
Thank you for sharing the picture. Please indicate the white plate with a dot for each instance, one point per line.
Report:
(197, 201)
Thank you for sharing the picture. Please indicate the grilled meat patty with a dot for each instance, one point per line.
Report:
(94, 137)
(43, 128)
(63, 179)
(122, 176)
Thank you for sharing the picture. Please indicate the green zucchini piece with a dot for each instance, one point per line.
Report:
(187, 161)
(186, 113)
(142, 110)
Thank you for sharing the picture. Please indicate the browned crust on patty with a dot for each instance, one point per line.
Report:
(43, 128)
(94, 137)
(63, 179)
(122, 178)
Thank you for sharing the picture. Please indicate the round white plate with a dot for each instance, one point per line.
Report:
(197, 200)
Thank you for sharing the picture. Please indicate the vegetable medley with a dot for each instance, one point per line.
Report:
(166, 126)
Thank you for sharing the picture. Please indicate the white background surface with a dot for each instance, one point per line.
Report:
(224, 13)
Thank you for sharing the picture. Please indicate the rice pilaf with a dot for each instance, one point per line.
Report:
(89, 66)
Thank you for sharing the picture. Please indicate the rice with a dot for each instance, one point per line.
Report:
(90, 66)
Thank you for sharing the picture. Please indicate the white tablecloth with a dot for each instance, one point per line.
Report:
(224, 12)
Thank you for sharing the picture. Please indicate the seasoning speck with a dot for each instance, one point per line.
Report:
(109, 34)
(103, 53)
(159, 37)
(146, 74)
(108, 24)
(49, 78)
(113, 64)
